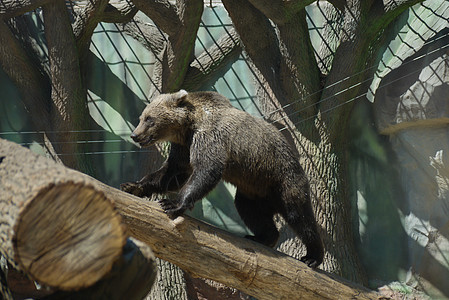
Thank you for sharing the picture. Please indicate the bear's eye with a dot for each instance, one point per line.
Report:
(149, 121)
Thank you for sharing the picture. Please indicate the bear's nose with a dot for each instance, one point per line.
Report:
(134, 136)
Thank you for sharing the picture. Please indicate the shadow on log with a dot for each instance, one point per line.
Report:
(208, 252)
(131, 277)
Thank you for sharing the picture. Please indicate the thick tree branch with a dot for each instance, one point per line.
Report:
(98, 11)
(178, 53)
(163, 14)
(67, 91)
(280, 11)
(174, 49)
(14, 8)
(296, 50)
(352, 40)
(297, 56)
(288, 47)
(401, 5)
(360, 32)
(119, 12)
(147, 34)
(85, 24)
(257, 40)
(391, 10)
(338, 4)
(212, 61)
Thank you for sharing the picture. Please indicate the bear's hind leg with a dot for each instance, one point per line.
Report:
(258, 217)
(301, 219)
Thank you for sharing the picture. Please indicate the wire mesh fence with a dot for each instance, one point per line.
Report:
(121, 77)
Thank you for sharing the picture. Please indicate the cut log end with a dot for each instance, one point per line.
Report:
(68, 236)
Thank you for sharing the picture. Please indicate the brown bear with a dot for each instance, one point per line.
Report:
(211, 140)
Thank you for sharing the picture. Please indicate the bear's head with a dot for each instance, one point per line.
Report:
(166, 118)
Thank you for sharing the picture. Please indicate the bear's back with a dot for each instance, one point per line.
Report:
(255, 153)
(237, 130)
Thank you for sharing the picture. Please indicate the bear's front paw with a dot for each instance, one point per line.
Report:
(171, 208)
(132, 188)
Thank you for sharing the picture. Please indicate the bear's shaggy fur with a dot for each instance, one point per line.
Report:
(211, 140)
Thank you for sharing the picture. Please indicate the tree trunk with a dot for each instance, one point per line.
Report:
(325, 163)
(170, 283)
(180, 24)
(69, 113)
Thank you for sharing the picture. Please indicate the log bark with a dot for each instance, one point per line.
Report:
(208, 252)
(54, 225)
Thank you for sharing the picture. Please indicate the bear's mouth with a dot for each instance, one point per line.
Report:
(147, 142)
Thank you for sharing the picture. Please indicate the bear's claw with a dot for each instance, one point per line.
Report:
(171, 208)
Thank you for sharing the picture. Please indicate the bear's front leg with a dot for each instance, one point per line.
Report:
(199, 184)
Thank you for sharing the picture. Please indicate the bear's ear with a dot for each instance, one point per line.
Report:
(180, 97)
(181, 93)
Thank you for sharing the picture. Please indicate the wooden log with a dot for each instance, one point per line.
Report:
(55, 226)
(208, 252)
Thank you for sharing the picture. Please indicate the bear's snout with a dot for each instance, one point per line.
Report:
(142, 139)
(134, 137)
(138, 138)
